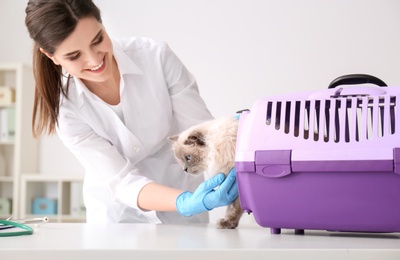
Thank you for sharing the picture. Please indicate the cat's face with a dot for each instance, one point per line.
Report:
(191, 151)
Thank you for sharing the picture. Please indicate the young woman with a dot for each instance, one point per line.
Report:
(113, 103)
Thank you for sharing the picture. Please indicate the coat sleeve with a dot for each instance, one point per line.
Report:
(188, 106)
(100, 158)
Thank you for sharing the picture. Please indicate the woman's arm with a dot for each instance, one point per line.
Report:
(154, 196)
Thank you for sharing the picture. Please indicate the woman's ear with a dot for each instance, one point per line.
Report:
(49, 56)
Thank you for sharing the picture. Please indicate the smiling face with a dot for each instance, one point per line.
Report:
(87, 52)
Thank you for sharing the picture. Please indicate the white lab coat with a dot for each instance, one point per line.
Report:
(159, 98)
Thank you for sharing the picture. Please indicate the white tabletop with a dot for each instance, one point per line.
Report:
(191, 242)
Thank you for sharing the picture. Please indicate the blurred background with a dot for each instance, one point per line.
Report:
(239, 50)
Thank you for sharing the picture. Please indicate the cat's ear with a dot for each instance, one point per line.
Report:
(173, 138)
(195, 138)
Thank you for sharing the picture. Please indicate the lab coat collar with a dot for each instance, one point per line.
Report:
(125, 63)
(125, 66)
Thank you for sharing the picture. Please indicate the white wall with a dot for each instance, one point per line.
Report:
(240, 50)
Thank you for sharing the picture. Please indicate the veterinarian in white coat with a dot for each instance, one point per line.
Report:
(117, 106)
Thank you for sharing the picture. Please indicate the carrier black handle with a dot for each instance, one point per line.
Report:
(353, 79)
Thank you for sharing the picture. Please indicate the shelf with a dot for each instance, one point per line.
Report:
(58, 218)
(20, 152)
(20, 180)
(38, 177)
(8, 105)
(7, 143)
(3, 217)
(6, 179)
(64, 190)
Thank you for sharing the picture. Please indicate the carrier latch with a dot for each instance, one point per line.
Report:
(396, 160)
(273, 163)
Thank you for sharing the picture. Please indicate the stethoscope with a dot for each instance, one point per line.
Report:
(21, 224)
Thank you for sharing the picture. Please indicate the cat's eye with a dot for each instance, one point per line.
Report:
(188, 157)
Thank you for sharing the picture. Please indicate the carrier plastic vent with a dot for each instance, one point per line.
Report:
(338, 119)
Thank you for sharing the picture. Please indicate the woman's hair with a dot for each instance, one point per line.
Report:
(49, 23)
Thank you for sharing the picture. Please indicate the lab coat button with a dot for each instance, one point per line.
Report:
(136, 148)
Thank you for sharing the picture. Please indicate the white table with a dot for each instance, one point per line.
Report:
(61, 241)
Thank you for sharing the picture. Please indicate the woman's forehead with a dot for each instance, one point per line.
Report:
(84, 33)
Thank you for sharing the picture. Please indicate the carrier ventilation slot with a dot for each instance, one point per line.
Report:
(340, 119)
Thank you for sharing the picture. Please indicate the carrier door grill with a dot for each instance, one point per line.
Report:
(340, 119)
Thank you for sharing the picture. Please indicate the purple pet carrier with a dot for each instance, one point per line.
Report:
(325, 160)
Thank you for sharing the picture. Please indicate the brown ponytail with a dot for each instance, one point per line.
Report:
(49, 23)
(47, 96)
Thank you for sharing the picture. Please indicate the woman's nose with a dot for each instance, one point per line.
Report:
(94, 58)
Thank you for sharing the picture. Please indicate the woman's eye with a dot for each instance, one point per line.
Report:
(100, 40)
(188, 157)
(75, 57)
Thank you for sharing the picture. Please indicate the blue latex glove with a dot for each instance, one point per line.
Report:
(205, 198)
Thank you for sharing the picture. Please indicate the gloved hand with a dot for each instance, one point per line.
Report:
(205, 198)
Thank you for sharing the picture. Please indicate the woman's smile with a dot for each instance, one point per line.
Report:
(99, 68)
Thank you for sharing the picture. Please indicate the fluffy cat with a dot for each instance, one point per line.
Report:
(209, 148)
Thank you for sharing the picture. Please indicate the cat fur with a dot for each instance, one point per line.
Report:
(209, 148)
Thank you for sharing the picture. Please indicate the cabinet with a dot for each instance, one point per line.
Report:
(19, 154)
(64, 191)
(21, 182)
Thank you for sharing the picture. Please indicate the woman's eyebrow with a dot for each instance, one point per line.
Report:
(71, 53)
(98, 35)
